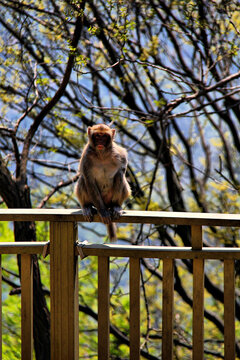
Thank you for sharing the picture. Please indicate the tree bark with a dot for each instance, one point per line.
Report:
(17, 195)
(26, 231)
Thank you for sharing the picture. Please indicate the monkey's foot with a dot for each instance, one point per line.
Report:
(105, 216)
(88, 213)
(116, 212)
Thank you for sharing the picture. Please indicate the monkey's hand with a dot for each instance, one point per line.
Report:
(105, 216)
(88, 213)
(116, 212)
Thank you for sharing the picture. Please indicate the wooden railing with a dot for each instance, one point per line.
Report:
(64, 252)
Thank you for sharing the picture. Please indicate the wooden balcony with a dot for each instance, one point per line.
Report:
(65, 250)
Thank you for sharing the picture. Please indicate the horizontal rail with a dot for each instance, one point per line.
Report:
(24, 248)
(64, 251)
(130, 216)
(161, 252)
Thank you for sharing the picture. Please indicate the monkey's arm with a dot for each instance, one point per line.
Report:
(121, 190)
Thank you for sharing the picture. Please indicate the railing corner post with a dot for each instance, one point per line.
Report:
(64, 291)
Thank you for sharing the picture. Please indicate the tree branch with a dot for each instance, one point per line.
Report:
(39, 118)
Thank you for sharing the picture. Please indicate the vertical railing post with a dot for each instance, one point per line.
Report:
(167, 309)
(134, 308)
(64, 291)
(198, 295)
(103, 308)
(27, 307)
(229, 310)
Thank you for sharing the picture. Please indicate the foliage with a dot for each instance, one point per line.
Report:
(166, 74)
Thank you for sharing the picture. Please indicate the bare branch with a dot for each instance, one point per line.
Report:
(59, 186)
(29, 109)
(56, 97)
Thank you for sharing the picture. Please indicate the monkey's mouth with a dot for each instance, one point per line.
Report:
(100, 147)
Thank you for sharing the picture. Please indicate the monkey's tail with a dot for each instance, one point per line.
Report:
(112, 232)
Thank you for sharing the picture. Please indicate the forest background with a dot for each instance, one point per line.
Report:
(166, 74)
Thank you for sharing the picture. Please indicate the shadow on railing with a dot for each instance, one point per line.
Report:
(64, 252)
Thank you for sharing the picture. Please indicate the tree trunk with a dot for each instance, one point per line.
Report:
(26, 231)
(16, 194)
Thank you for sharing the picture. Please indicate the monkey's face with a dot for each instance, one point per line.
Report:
(101, 136)
(101, 140)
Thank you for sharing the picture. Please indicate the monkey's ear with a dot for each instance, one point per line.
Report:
(89, 130)
(113, 132)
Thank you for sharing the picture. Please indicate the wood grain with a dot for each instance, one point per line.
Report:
(27, 307)
(167, 309)
(134, 275)
(229, 310)
(129, 216)
(161, 252)
(64, 291)
(103, 308)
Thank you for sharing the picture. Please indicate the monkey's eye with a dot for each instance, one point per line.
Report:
(101, 137)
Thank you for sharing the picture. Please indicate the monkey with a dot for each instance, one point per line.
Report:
(102, 185)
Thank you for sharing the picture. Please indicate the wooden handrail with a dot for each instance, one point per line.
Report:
(23, 247)
(64, 251)
(160, 252)
(129, 216)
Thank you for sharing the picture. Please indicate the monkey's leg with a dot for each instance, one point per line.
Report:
(121, 191)
(116, 212)
(88, 212)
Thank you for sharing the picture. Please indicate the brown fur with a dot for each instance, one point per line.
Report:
(102, 183)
